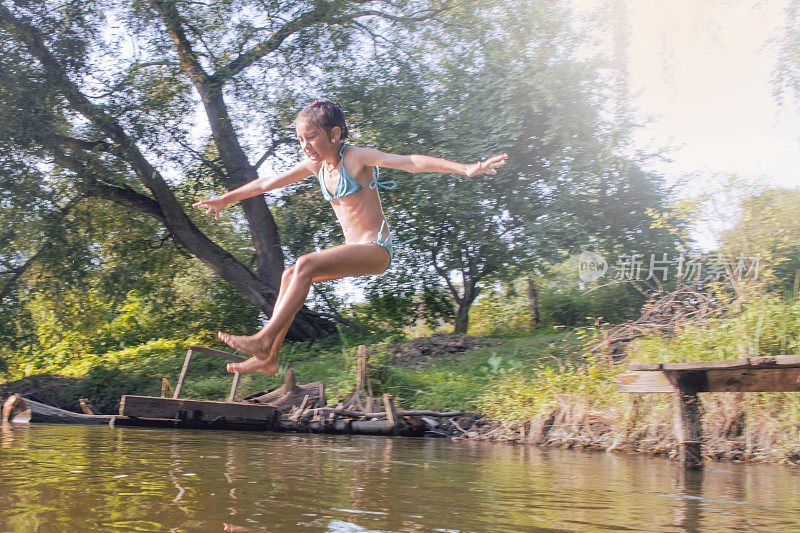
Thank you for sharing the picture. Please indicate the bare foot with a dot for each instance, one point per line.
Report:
(250, 345)
(254, 364)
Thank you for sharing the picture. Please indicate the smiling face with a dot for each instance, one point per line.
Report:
(317, 144)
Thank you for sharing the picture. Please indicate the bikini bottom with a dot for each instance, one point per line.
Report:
(380, 241)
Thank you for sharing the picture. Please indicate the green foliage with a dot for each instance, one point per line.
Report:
(505, 308)
(519, 396)
(545, 103)
(767, 227)
(501, 309)
(496, 367)
(388, 310)
(105, 385)
(767, 325)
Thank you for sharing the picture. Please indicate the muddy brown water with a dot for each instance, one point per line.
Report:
(87, 478)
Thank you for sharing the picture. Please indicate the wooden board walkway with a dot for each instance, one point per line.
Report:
(200, 413)
(779, 373)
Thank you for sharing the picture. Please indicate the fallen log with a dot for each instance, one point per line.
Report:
(19, 409)
(354, 427)
(382, 414)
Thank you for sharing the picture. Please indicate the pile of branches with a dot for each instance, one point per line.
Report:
(664, 313)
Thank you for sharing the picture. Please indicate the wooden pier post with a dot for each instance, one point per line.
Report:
(392, 422)
(234, 386)
(688, 418)
(361, 369)
(179, 386)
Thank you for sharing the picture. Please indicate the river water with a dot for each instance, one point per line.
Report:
(89, 478)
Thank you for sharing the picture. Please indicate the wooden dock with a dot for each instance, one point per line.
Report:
(199, 414)
(780, 373)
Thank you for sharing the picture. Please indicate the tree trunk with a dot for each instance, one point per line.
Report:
(533, 301)
(462, 318)
(463, 304)
(239, 171)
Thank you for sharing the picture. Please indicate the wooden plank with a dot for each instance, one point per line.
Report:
(754, 380)
(776, 360)
(644, 382)
(719, 380)
(370, 405)
(87, 407)
(198, 411)
(185, 369)
(707, 365)
(361, 370)
(381, 414)
(645, 366)
(217, 353)
(358, 427)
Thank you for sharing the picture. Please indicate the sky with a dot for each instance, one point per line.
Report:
(700, 73)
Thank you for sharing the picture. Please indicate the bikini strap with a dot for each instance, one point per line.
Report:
(375, 183)
(379, 237)
(389, 238)
(406, 242)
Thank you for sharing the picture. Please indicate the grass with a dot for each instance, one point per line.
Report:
(448, 382)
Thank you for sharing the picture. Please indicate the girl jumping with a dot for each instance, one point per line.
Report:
(347, 180)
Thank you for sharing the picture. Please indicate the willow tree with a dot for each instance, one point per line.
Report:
(101, 99)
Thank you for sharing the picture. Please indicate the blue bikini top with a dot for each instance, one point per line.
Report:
(347, 184)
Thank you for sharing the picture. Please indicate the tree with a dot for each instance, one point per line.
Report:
(81, 107)
(767, 229)
(507, 81)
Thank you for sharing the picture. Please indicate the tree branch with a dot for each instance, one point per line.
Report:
(172, 19)
(271, 150)
(89, 146)
(94, 186)
(321, 13)
(264, 48)
(426, 14)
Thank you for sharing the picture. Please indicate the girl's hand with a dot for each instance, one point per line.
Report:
(212, 204)
(487, 167)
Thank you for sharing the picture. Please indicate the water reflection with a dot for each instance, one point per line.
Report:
(137, 479)
(689, 487)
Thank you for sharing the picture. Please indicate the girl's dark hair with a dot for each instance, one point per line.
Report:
(325, 114)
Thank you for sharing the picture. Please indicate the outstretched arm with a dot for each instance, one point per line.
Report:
(424, 163)
(258, 186)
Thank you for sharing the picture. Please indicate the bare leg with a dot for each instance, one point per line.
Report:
(256, 363)
(270, 365)
(333, 263)
(278, 341)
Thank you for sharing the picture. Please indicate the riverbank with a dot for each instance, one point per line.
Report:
(528, 389)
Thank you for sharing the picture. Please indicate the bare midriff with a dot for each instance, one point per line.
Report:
(360, 214)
